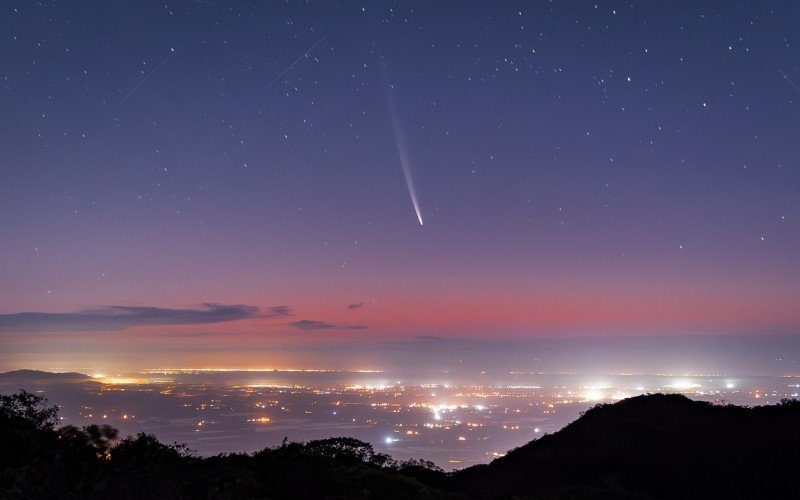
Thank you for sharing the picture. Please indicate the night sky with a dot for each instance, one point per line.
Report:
(212, 183)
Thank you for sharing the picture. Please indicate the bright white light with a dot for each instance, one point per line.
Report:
(730, 385)
(593, 395)
(683, 385)
(389, 440)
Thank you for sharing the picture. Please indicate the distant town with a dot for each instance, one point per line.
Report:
(454, 423)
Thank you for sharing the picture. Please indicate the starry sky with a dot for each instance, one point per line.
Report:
(226, 183)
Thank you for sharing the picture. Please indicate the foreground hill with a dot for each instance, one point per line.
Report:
(657, 446)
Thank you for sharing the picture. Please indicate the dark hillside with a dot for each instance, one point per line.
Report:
(657, 446)
(37, 375)
(662, 446)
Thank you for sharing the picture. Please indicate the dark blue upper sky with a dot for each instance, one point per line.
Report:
(589, 167)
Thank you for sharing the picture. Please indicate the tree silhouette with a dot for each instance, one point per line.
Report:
(655, 446)
(29, 407)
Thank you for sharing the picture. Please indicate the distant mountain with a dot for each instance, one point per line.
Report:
(654, 446)
(647, 447)
(37, 375)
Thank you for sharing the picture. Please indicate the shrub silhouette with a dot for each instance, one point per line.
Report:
(29, 407)
(655, 446)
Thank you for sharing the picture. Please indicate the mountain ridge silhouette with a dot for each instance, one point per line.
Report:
(651, 446)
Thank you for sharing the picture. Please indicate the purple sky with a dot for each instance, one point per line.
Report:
(213, 175)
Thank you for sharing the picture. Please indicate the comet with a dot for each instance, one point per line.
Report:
(402, 151)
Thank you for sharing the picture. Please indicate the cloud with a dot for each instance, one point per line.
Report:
(307, 324)
(113, 318)
(429, 339)
(355, 306)
(277, 312)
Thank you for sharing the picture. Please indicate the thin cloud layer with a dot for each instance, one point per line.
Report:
(355, 306)
(277, 312)
(114, 318)
(307, 324)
